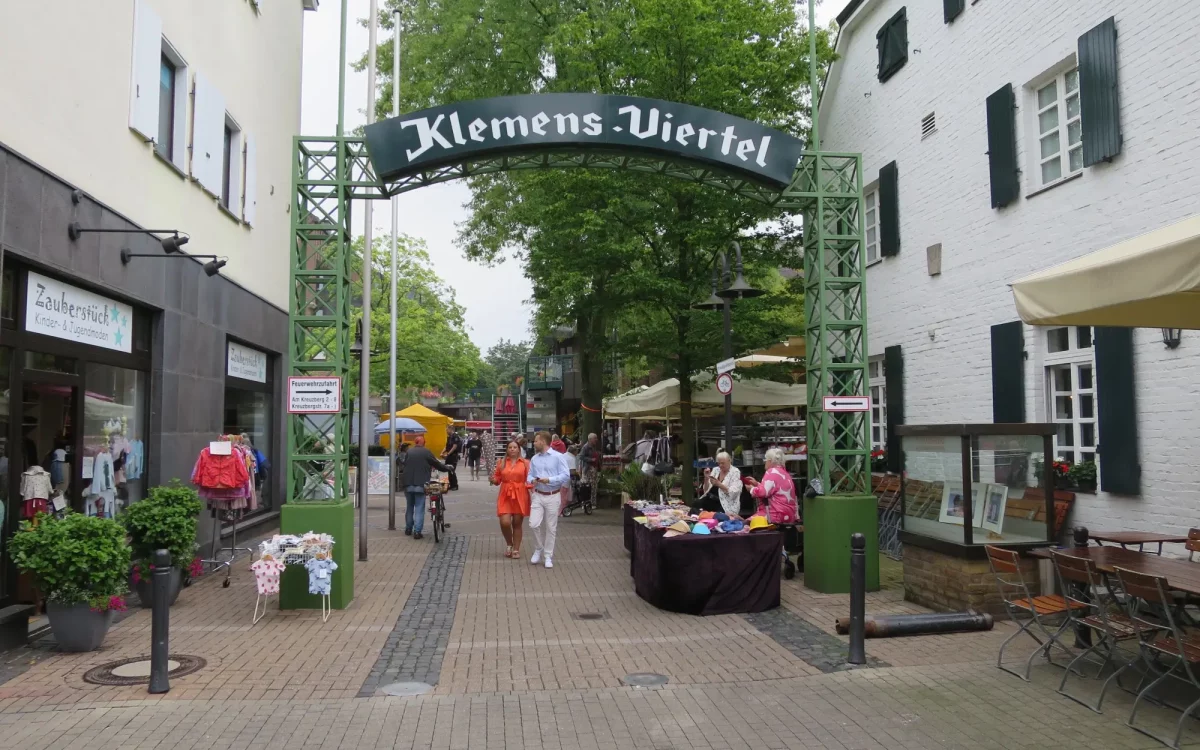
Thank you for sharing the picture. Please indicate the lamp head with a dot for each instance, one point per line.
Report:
(173, 244)
(213, 267)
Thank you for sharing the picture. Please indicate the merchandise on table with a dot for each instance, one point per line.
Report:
(676, 520)
(312, 551)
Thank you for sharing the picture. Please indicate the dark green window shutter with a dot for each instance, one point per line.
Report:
(1099, 100)
(1008, 372)
(893, 371)
(1002, 146)
(1116, 410)
(889, 210)
(892, 43)
(952, 8)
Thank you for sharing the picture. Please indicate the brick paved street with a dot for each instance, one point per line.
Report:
(513, 667)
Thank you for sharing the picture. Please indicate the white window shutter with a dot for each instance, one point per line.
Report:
(147, 59)
(251, 201)
(208, 135)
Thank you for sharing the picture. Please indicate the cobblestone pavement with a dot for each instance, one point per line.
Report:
(521, 670)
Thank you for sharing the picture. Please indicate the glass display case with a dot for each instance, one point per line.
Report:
(976, 484)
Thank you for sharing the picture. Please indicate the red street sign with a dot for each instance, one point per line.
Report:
(846, 403)
(724, 384)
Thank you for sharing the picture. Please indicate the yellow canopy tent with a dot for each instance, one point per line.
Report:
(434, 423)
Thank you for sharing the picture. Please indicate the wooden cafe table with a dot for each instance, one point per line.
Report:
(1182, 575)
(1140, 538)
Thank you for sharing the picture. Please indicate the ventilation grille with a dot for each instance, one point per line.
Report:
(928, 125)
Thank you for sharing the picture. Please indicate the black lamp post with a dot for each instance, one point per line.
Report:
(722, 300)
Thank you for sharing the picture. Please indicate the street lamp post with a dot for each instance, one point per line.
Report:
(723, 300)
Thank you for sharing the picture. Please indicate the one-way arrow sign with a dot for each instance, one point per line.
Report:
(314, 395)
(846, 403)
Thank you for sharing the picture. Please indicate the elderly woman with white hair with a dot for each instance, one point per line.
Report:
(727, 480)
(776, 494)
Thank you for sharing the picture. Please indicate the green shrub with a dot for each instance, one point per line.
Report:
(166, 519)
(177, 495)
(74, 559)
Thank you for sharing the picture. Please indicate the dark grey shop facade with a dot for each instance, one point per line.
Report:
(113, 377)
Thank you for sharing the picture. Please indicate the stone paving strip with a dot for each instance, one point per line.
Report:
(813, 645)
(414, 648)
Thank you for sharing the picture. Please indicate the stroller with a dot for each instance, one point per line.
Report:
(581, 497)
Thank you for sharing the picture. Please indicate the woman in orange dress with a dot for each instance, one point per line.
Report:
(512, 505)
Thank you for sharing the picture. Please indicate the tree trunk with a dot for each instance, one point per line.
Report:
(592, 375)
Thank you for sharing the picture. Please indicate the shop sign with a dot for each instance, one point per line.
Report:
(846, 403)
(53, 308)
(403, 146)
(246, 363)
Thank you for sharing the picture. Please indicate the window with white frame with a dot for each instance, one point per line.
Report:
(172, 106)
(871, 224)
(231, 164)
(1071, 392)
(878, 386)
(1058, 128)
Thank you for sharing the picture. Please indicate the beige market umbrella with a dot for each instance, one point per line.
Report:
(662, 399)
(1148, 281)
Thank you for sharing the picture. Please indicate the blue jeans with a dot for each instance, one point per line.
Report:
(414, 513)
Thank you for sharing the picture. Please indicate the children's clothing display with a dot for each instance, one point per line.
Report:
(36, 489)
(226, 481)
(102, 494)
(266, 575)
(319, 575)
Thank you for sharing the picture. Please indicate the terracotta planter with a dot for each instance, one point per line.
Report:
(77, 627)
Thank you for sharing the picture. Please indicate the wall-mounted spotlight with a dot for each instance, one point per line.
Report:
(211, 268)
(170, 244)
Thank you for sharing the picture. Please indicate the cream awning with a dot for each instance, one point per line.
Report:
(662, 398)
(1149, 281)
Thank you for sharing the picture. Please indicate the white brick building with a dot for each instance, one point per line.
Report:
(930, 117)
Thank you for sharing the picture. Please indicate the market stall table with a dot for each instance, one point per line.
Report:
(1183, 575)
(1126, 538)
(708, 574)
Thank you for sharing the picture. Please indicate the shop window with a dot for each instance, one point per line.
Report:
(50, 363)
(8, 301)
(5, 365)
(249, 413)
(114, 438)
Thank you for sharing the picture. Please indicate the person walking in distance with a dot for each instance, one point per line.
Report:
(474, 449)
(418, 465)
(512, 503)
(452, 454)
(548, 473)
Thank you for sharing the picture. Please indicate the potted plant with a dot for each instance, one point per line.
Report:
(1083, 476)
(879, 460)
(81, 565)
(166, 519)
(1061, 480)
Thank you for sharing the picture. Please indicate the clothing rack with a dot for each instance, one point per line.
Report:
(214, 562)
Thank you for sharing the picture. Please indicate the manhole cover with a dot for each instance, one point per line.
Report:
(644, 680)
(136, 671)
(591, 615)
(402, 689)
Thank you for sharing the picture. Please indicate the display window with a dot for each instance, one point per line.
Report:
(249, 412)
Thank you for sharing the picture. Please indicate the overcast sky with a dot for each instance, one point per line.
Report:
(495, 298)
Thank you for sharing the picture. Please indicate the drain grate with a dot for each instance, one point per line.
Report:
(647, 680)
(590, 615)
(136, 671)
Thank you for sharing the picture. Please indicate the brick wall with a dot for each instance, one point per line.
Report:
(943, 322)
(951, 584)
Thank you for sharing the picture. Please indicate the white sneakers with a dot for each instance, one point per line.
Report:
(537, 557)
(549, 562)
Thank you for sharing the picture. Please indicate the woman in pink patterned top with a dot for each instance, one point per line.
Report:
(776, 494)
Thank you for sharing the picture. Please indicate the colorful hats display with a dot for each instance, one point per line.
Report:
(700, 528)
(758, 522)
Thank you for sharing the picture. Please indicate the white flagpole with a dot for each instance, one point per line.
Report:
(395, 231)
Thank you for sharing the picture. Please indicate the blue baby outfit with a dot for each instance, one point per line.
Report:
(320, 575)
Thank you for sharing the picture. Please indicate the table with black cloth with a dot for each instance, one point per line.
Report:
(629, 513)
(707, 574)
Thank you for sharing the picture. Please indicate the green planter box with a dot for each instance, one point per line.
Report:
(828, 524)
(335, 519)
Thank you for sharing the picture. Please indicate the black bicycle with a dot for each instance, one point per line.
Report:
(436, 493)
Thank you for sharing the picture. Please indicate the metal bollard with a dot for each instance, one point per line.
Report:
(1083, 634)
(858, 599)
(160, 622)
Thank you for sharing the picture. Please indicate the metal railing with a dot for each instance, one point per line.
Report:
(546, 373)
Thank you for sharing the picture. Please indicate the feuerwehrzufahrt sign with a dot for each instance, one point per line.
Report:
(454, 133)
(314, 394)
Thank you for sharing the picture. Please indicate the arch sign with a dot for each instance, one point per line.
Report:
(486, 128)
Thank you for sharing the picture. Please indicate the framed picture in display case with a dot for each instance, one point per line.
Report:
(995, 500)
(954, 504)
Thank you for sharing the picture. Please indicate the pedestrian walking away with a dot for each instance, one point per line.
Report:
(474, 448)
(419, 464)
(548, 473)
(512, 503)
(452, 454)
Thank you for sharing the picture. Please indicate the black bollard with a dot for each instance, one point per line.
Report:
(858, 599)
(160, 622)
(1083, 634)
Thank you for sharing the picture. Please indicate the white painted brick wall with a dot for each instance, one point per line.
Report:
(943, 322)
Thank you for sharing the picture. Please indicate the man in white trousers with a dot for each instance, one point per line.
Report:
(548, 474)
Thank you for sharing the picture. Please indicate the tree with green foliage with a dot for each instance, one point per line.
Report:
(620, 250)
(506, 360)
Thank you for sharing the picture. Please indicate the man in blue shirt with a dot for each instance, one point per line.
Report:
(548, 474)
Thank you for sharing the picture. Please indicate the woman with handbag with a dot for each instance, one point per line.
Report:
(726, 480)
(512, 504)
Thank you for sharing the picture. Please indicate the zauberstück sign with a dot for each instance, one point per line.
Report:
(441, 136)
